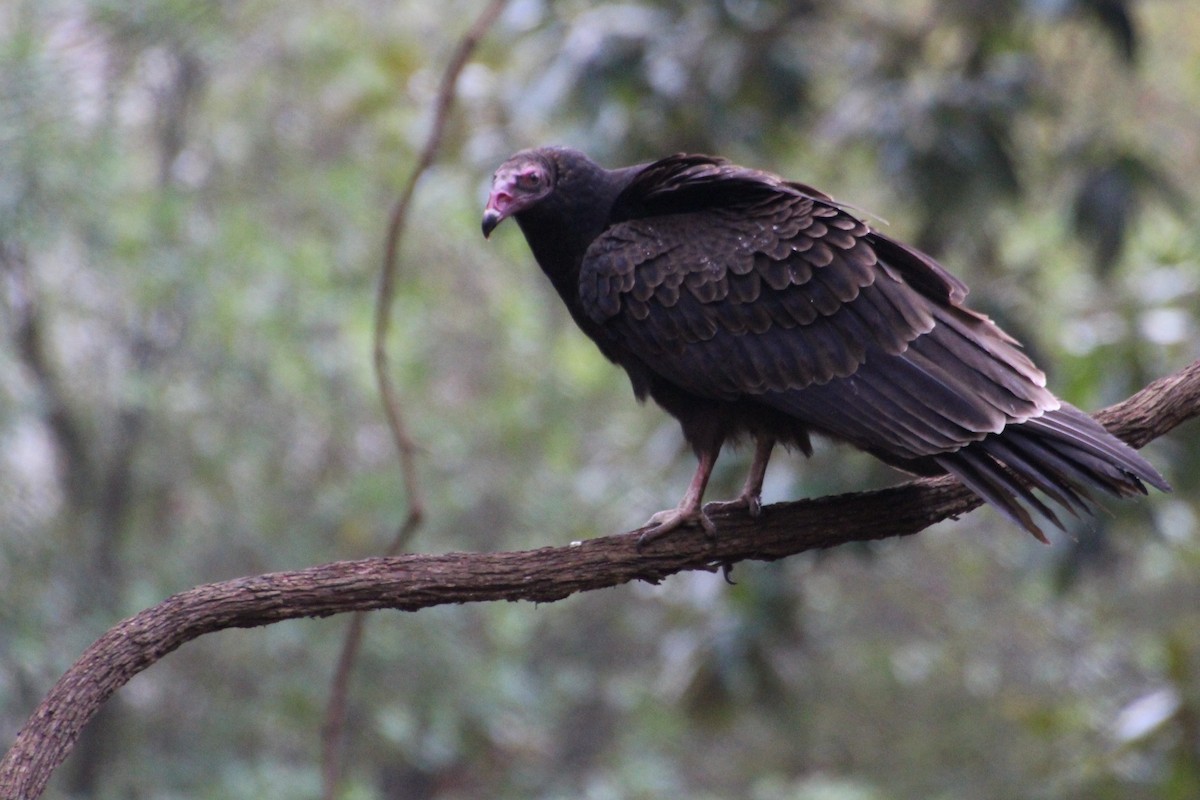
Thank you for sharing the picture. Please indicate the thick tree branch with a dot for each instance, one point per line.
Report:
(412, 582)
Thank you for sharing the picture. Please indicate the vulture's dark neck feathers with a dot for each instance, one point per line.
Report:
(560, 227)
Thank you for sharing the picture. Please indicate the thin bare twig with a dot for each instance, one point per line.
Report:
(333, 729)
(29, 337)
(412, 582)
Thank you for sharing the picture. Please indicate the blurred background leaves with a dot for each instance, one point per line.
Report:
(193, 197)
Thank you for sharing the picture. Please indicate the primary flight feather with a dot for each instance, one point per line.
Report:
(745, 304)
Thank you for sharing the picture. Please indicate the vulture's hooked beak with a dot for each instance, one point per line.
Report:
(499, 206)
(491, 218)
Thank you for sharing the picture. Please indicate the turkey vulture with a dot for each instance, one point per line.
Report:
(748, 305)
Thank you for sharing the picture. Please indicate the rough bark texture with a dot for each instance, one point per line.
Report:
(412, 582)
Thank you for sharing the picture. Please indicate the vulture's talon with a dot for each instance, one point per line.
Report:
(751, 503)
(665, 522)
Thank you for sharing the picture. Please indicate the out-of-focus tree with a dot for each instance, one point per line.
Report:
(192, 203)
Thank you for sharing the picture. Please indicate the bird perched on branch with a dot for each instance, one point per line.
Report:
(747, 305)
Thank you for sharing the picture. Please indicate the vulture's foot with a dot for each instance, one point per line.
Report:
(665, 522)
(752, 503)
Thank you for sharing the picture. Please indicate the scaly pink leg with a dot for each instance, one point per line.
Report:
(751, 496)
(688, 511)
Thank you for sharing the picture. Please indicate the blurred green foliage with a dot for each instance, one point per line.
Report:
(193, 197)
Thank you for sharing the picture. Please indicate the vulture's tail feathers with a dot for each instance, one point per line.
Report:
(1065, 454)
(996, 485)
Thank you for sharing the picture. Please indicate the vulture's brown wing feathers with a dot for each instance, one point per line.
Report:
(767, 291)
(733, 284)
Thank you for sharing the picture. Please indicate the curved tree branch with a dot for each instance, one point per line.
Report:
(413, 582)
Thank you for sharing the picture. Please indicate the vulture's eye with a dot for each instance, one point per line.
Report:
(529, 180)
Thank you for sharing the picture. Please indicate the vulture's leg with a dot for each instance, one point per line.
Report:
(689, 510)
(751, 496)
